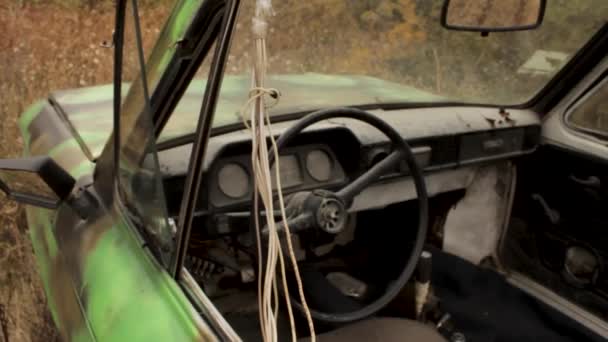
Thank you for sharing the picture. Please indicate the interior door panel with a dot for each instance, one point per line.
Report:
(558, 232)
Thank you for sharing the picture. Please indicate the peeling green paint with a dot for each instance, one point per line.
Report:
(117, 268)
(45, 247)
(174, 30)
(83, 335)
(121, 286)
(101, 282)
(87, 94)
(26, 119)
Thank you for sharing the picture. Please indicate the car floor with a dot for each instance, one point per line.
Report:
(485, 307)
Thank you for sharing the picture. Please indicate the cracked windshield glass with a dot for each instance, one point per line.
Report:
(327, 53)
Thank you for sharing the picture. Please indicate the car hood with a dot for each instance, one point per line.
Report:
(88, 111)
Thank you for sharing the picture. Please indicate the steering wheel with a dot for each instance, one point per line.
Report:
(326, 210)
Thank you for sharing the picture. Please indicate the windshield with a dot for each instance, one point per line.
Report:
(327, 53)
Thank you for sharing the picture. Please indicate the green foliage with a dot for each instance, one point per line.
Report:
(403, 41)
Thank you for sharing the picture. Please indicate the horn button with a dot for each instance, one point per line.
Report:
(328, 211)
(331, 215)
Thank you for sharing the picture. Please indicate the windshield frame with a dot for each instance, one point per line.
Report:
(190, 49)
(177, 73)
(107, 171)
(577, 68)
(107, 164)
(585, 59)
(540, 102)
(361, 83)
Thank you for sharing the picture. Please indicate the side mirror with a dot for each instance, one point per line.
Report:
(492, 15)
(38, 181)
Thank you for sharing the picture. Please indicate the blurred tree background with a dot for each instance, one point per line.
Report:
(403, 41)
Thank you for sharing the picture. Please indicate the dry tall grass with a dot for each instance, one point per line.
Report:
(44, 46)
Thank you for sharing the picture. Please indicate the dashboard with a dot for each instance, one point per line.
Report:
(301, 168)
(447, 143)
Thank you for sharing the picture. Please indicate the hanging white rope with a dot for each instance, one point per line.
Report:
(268, 293)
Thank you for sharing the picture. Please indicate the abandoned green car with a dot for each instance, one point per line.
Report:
(444, 175)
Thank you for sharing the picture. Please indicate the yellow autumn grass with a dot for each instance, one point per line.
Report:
(45, 46)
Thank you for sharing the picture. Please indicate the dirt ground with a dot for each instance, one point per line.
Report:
(43, 47)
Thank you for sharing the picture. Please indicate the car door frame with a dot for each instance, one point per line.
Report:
(586, 75)
(573, 73)
(194, 177)
(558, 132)
(191, 49)
(165, 96)
(196, 44)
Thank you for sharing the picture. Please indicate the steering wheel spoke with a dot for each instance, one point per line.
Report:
(348, 193)
(295, 224)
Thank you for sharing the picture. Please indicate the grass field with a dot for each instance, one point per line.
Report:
(45, 45)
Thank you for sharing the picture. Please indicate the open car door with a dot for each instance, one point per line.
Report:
(557, 233)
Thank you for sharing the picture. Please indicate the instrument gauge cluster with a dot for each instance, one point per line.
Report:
(301, 168)
(319, 165)
(233, 180)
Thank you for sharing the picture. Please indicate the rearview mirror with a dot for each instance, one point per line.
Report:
(492, 15)
(37, 181)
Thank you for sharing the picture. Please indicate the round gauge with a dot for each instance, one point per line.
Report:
(233, 180)
(319, 165)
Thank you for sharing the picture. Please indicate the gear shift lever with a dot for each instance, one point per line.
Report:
(423, 281)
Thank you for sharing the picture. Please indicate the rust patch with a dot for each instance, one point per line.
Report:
(94, 232)
(491, 121)
(76, 239)
(46, 131)
(506, 116)
(64, 300)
